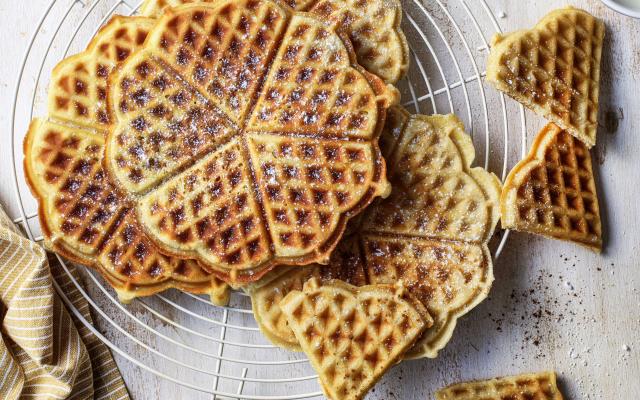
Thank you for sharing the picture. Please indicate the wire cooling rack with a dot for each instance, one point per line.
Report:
(185, 339)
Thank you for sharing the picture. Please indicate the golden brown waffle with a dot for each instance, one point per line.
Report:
(431, 233)
(353, 335)
(84, 219)
(554, 69)
(552, 191)
(82, 215)
(373, 27)
(345, 265)
(242, 176)
(540, 386)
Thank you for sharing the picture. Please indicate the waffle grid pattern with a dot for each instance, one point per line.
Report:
(202, 44)
(353, 335)
(555, 69)
(79, 94)
(83, 217)
(217, 194)
(84, 206)
(374, 29)
(555, 190)
(345, 265)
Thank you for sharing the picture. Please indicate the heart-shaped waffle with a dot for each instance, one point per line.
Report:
(353, 335)
(372, 25)
(247, 136)
(82, 216)
(554, 69)
(552, 191)
(431, 233)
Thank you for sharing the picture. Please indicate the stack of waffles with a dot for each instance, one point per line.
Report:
(83, 214)
(258, 145)
(198, 147)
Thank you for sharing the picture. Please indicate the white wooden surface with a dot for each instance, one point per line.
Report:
(553, 305)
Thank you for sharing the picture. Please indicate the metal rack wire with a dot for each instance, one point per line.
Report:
(221, 347)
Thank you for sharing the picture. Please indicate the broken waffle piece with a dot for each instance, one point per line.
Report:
(554, 69)
(345, 265)
(552, 192)
(353, 335)
(538, 386)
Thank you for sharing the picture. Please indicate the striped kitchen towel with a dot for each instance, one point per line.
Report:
(45, 351)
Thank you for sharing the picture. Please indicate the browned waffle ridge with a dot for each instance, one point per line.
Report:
(552, 191)
(290, 156)
(82, 216)
(538, 386)
(372, 25)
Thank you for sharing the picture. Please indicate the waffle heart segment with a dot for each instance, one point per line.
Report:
(552, 191)
(554, 69)
(222, 49)
(373, 27)
(63, 168)
(431, 233)
(216, 193)
(167, 124)
(217, 178)
(306, 184)
(437, 194)
(345, 265)
(540, 386)
(308, 87)
(82, 216)
(353, 335)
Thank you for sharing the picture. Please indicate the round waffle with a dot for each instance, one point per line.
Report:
(82, 216)
(247, 136)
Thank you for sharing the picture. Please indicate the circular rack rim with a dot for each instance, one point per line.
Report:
(223, 324)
